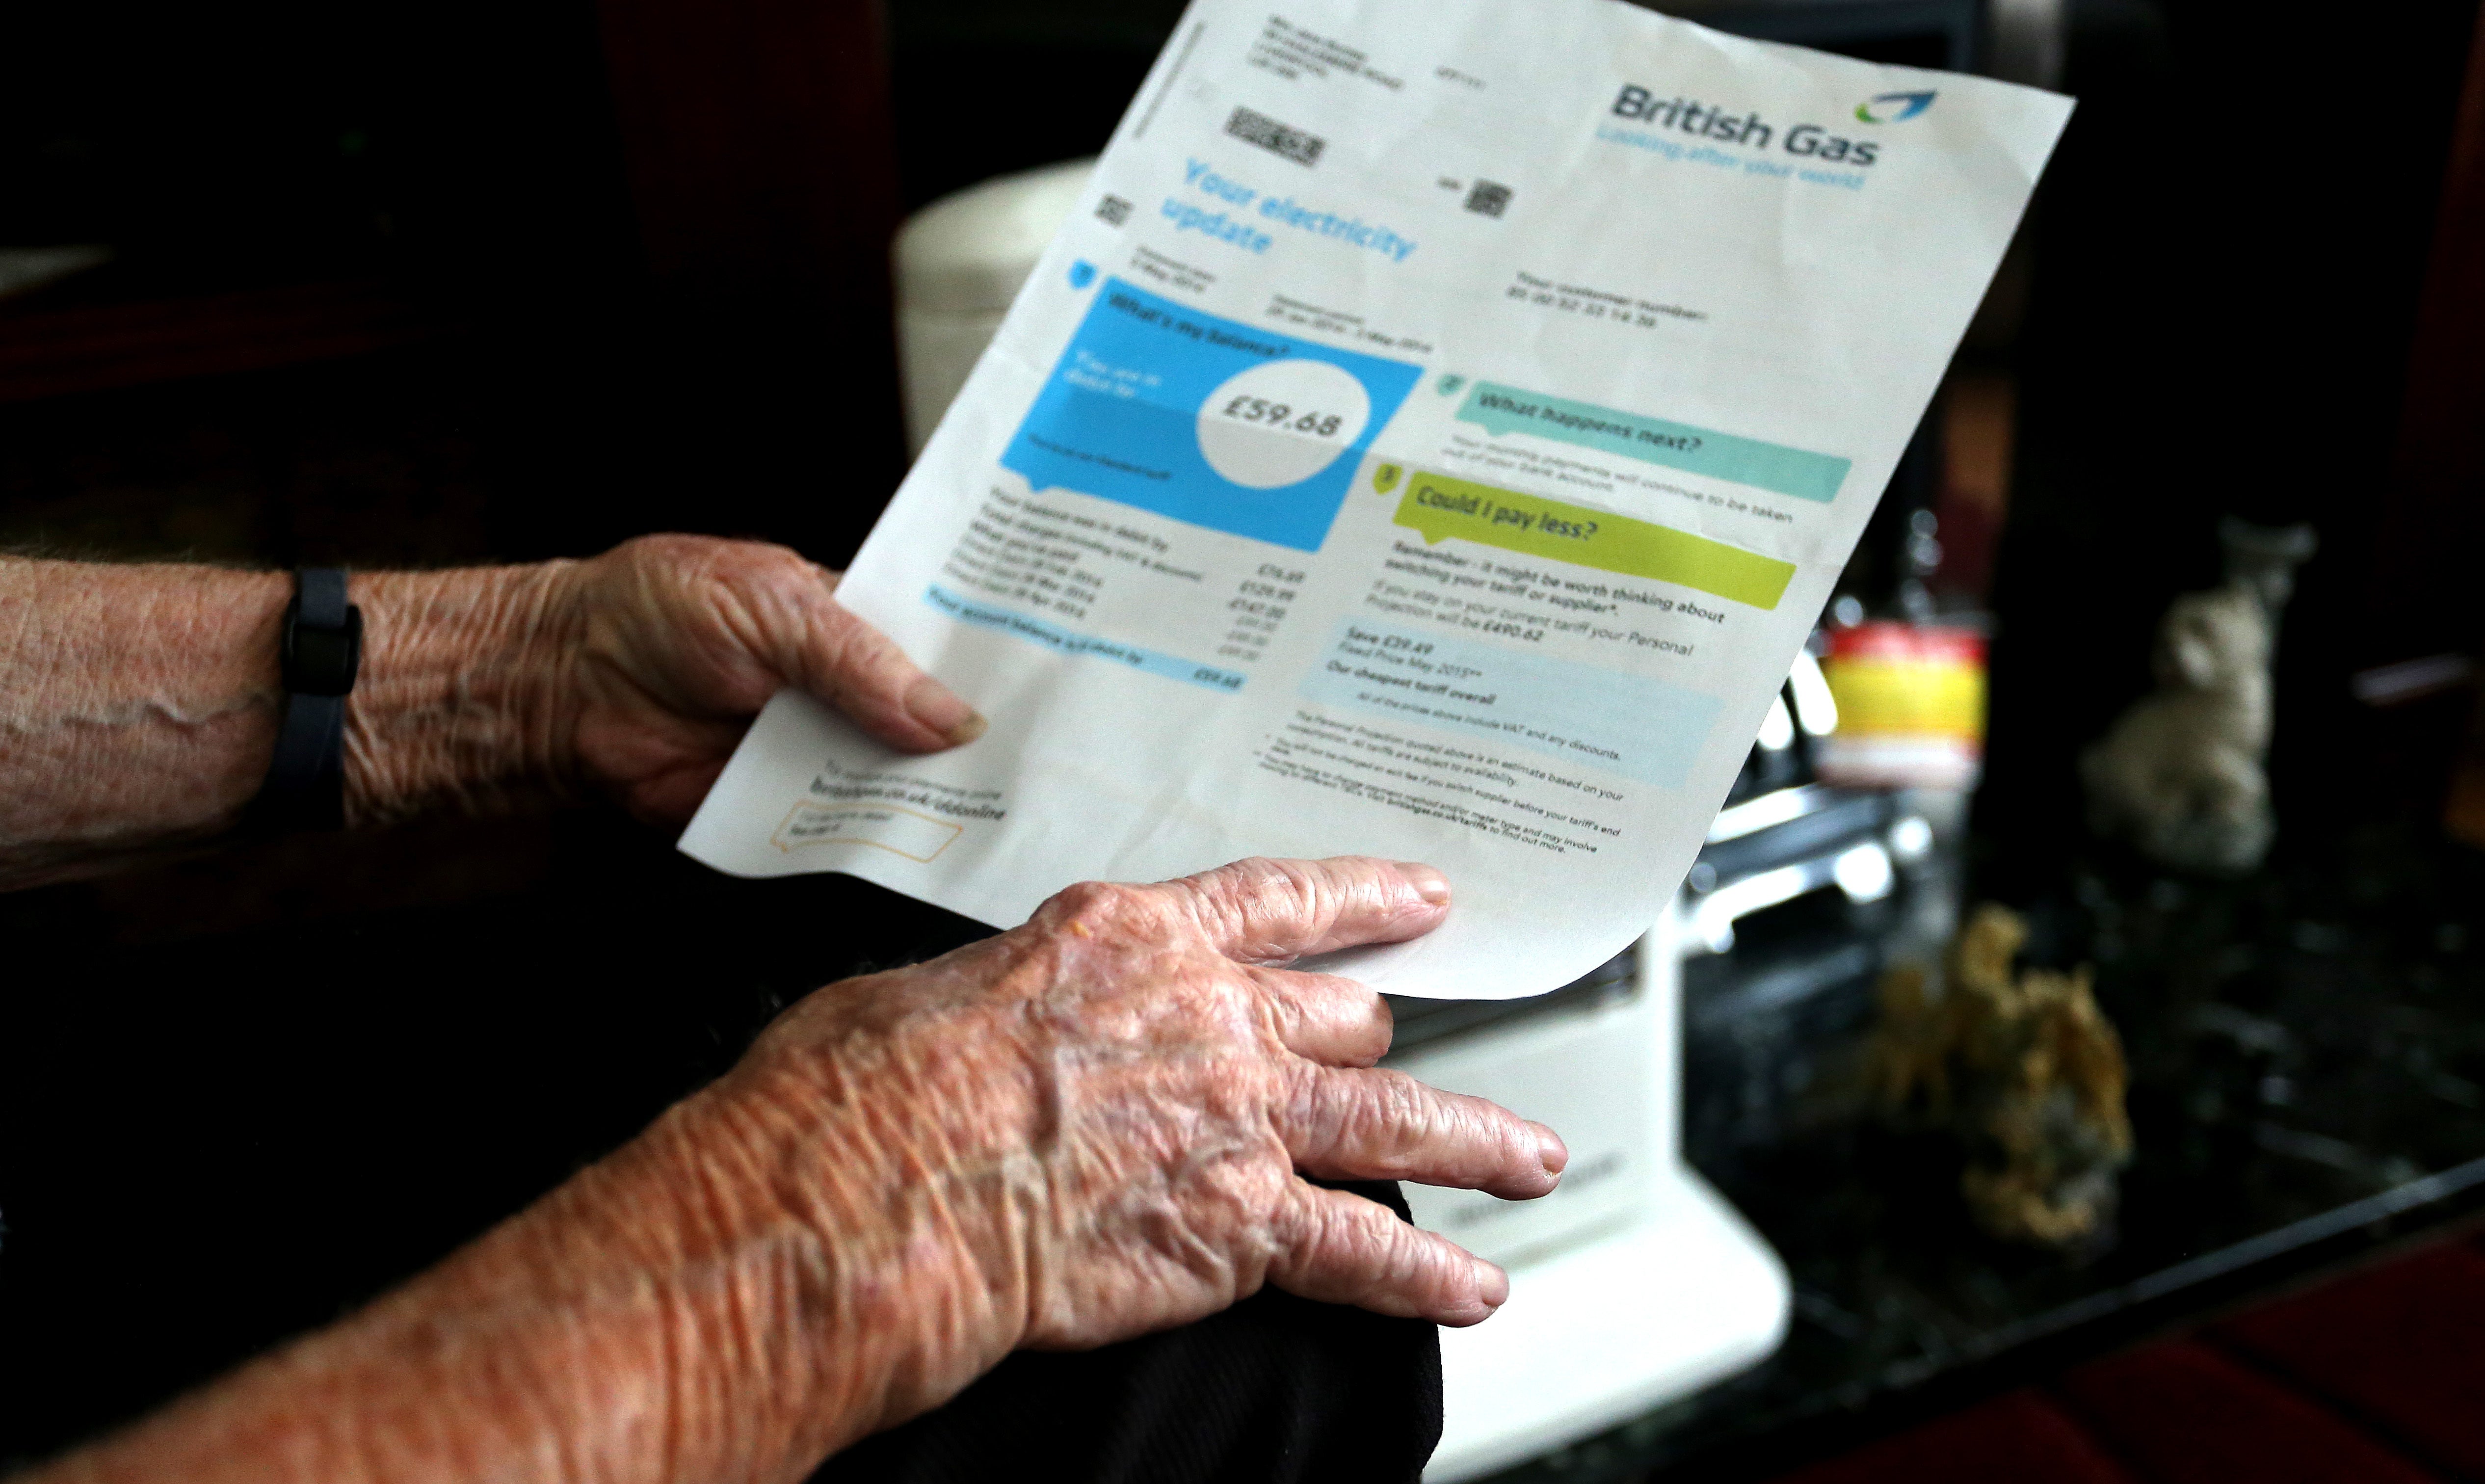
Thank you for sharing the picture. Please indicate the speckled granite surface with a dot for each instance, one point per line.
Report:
(2307, 1054)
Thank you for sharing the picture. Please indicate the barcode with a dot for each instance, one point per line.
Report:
(1277, 138)
(1114, 211)
(1487, 197)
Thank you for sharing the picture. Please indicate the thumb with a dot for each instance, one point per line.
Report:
(861, 672)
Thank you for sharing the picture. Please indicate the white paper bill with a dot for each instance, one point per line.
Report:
(1431, 437)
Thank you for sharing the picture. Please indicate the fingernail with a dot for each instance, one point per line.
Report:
(1492, 1286)
(1429, 884)
(938, 707)
(1551, 1150)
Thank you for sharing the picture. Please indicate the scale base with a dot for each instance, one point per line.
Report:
(1600, 1332)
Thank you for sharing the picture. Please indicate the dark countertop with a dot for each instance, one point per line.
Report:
(2307, 1057)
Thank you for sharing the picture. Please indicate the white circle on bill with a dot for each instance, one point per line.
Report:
(1281, 421)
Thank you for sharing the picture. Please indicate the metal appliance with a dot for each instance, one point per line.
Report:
(1635, 1282)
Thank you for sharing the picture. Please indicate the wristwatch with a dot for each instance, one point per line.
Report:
(322, 654)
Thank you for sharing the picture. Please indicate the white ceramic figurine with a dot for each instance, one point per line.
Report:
(2181, 774)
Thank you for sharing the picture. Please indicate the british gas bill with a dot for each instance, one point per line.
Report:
(1431, 437)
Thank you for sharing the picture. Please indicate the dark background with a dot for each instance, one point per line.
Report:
(456, 307)
(2225, 287)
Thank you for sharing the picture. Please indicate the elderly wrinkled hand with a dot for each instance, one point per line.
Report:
(679, 639)
(1099, 1124)
(1093, 1126)
(144, 699)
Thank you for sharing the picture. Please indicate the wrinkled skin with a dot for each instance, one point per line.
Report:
(1112, 1099)
(680, 639)
(1092, 1127)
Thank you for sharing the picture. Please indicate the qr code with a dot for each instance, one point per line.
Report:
(1114, 211)
(1279, 138)
(1489, 198)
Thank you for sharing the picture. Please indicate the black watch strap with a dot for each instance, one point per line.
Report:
(322, 653)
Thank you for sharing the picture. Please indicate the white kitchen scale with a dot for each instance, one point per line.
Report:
(1634, 1283)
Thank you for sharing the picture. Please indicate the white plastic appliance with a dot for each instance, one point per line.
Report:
(1634, 1283)
(959, 263)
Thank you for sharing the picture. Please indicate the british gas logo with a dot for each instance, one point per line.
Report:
(1893, 107)
(1719, 122)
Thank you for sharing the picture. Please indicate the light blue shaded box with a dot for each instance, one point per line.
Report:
(1062, 640)
(1138, 443)
(1586, 716)
(1769, 466)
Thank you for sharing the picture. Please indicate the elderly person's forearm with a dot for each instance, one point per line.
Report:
(1091, 1127)
(142, 703)
(648, 1322)
(139, 705)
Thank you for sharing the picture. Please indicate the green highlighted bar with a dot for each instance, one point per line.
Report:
(1437, 506)
(1500, 409)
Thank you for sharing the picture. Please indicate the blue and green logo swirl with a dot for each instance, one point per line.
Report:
(1893, 107)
